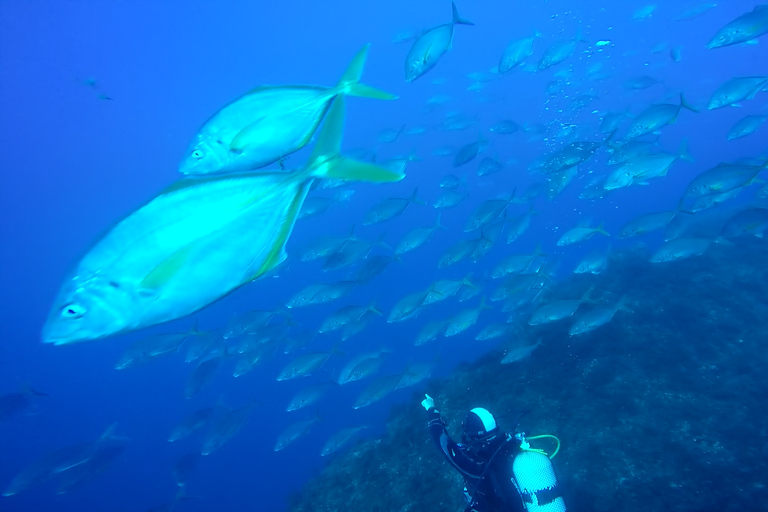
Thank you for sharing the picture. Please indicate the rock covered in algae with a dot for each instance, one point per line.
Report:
(659, 409)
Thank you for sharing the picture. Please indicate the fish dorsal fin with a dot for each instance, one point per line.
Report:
(264, 88)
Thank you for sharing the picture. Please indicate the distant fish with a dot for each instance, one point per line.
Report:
(390, 208)
(468, 152)
(305, 364)
(746, 126)
(430, 46)
(361, 366)
(13, 404)
(418, 237)
(407, 307)
(505, 127)
(641, 82)
(464, 319)
(339, 439)
(345, 316)
(377, 390)
(737, 89)
(203, 374)
(225, 428)
(557, 310)
(294, 432)
(308, 396)
(597, 317)
(643, 13)
(450, 198)
(151, 347)
(644, 167)
(681, 248)
(695, 11)
(192, 423)
(751, 221)
(184, 467)
(723, 178)
(580, 234)
(559, 52)
(519, 353)
(430, 332)
(493, 331)
(646, 223)
(516, 52)
(57, 463)
(656, 117)
(745, 28)
(593, 263)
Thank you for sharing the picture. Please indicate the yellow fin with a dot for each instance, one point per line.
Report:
(348, 169)
(277, 253)
(168, 268)
(243, 137)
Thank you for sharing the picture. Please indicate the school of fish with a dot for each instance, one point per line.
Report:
(226, 223)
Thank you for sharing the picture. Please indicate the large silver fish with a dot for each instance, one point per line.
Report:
(193, 244)
(268, 123)
(431, 46)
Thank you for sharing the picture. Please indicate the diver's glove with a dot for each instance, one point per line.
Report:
(428, 403)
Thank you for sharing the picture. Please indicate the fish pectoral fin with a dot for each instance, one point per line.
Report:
(244, 136)
(166, 269)
(425, 60)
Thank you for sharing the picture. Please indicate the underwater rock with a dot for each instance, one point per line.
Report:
(656, 410)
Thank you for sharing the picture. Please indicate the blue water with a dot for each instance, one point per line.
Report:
(72, 164)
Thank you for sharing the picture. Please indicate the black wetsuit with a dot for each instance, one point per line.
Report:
(487, 470)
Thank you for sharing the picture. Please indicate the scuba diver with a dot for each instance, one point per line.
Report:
(502, 473)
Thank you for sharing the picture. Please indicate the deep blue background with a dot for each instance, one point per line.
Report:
(72, 165)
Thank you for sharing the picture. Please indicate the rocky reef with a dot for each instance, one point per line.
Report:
(660, 409)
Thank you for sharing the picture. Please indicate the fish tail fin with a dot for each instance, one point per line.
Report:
(537, 251)
(685, 104)
(622, 304)
(457, 19)
(327, 162)
(600, 229)
(109, 433)
(467, 281)
(438, 222)
(374, 309)
(683, 153)
(328, 144)
(414, 197)
(350, 80)
(484, 303)
(381, 243)
(194, 330)
(412, 157)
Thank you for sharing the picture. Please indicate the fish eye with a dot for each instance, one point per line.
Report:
(197, 154)
(73, 311)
